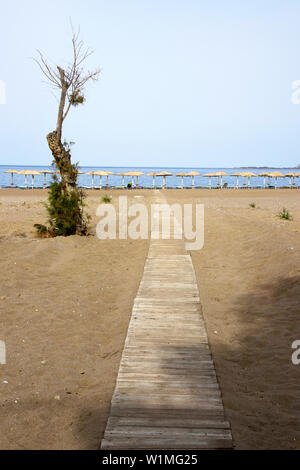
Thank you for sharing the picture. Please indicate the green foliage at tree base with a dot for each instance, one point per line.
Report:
(66, 216)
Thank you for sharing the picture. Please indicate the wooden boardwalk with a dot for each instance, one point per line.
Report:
(167, 394)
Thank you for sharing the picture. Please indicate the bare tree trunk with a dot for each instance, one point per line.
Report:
(62, 158)
(61, 155)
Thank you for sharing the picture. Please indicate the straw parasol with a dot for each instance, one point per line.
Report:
(276, 175)
(264, 175)
(210, 176)
(193, 174)
(134, 174)
(292, 176)
(46, 172)
(153, 174)
(164, 174)
(31, 173)
(107, 176)
(237, 179)
(102, 173)
(123, 178)
(92, 173)
(181, 175)
(248, 174)
(12, 173)
(220, 174)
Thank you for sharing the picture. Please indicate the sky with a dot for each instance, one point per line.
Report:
(184, 83)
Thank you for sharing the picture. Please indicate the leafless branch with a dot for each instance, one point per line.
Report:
(70, 80)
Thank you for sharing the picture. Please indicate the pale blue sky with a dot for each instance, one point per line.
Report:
(184, 82)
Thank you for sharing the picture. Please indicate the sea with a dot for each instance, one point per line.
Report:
(147, 181)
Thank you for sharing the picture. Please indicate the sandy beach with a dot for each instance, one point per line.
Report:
(66, 302)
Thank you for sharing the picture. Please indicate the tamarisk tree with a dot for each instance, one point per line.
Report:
(70, 82)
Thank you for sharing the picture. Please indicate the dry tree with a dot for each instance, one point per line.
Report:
(70, 81)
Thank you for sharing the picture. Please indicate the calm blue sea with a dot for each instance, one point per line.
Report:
(146, 181)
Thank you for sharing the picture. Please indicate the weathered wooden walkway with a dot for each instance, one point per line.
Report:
(167, 395)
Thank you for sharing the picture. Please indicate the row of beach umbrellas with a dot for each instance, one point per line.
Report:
(164, 174)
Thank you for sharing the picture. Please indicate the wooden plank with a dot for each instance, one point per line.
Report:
(183, 442)
(173, 402)
(153, 432)
(158, 391)
(165, 355)
(163, 300)
(160, 388)
(161, 412)
(175, 367)
(167, 422)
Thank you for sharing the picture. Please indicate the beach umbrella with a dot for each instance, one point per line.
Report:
(237, 179)
(134, 174)
(220, 174)
(102, 173)
(46, 172)
(123, 178)
(31, 173)
(12, 173)
(248, 174)
(138, 174)
(210, 176)
(193, 174)
(292, 176)
(153, 174)
(181, 175)
(92, 173)
(164, 174)
(276, 175)
(264, 175)
(107, 176)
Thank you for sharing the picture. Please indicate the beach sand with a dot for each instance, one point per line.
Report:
(65, 305)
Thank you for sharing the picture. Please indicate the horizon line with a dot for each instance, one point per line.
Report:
(167, 167)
